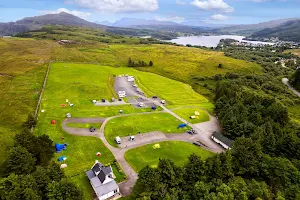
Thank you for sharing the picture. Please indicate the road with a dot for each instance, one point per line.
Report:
(286, 82)
(204, 130)
(143, 139)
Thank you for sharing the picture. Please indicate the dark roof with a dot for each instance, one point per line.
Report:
(101, 176)
(222, 138)
(97, 167)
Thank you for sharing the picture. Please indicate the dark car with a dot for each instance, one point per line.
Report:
(92, 129)
(154, 97)
(192, 132)
(197, 144)
(103, 100)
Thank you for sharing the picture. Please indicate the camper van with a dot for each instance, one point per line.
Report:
(121, 94)
(118, 140)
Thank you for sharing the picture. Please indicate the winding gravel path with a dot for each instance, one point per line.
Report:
(286, 82)
(204, 136)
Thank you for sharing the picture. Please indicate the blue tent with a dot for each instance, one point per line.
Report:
(60, 159)
(60, 147)
(182, 125)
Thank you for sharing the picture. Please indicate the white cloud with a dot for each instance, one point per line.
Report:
(83, 15)
(180, 2)
(219, 17)
(213, 5)
(170, 18)
(119, 5)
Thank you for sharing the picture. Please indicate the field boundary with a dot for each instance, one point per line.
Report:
(42, 92)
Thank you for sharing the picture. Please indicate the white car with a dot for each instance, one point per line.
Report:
(118, 140)
(141, 104)
(163, 101)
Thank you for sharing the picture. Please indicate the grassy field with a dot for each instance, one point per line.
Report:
(23, 65)
(79, 125)
(186, 113)
(176, 151)
(80, 84)
(131, 125)
(294, 51)
(179, 63)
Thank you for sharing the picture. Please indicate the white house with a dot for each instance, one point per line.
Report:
(102, 181)
(222, 140)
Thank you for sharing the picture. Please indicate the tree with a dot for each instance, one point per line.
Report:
(147, 183)
(54, 172)
(40, 147)
(63, 190)
(150, 63)
(130, 62)
(194, 170)
(42, 180)
(247, 155)
(19, 187)
(31, 122)
(295, 79)
(19, 161)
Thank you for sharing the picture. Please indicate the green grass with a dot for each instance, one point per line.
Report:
(120, 176)
(131, 125)
(23, 64)
(79, 125)
(186, 113)
(176, 151)
(293, 51)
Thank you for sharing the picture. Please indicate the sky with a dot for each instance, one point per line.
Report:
(197, 12)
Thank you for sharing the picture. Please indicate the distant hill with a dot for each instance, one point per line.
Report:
(249, 29)
(132, 22)
(289, 31)
(36, 23)
(105, 23)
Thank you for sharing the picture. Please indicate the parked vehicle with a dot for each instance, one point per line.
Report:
(192, 132)
(118, 140)
(141, 104)
(197, 144)
(103, 100)
(131, 138)
(163, 101)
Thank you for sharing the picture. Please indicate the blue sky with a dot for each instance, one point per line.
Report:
(196, 11)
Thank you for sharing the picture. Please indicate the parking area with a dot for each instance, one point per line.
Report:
(122, 84)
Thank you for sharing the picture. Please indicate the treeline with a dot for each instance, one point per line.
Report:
(264, 57)
(245, 113)
(139, 63)
(30, 173)
(240, 174)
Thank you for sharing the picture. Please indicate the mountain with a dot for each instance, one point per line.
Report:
(132, 22)
(248, 29)
(105, 23)
(37, 22)
(289, 31)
